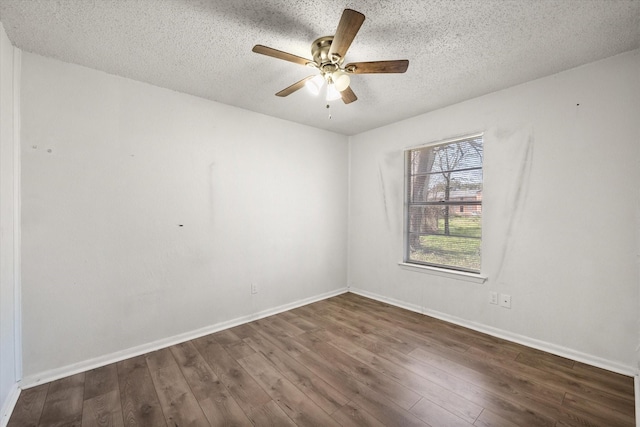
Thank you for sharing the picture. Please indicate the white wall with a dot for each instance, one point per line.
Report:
(560, 212)
(113, 167)
(8, 232)
(148, 213)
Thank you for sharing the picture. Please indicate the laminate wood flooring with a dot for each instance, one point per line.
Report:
(344, 361)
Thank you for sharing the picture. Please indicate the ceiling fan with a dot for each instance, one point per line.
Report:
(328, 57)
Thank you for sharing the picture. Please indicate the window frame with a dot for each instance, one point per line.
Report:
(416, 264)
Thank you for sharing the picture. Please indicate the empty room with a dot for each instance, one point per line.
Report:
(296, 213)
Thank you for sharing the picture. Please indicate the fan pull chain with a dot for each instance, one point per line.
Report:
(329, 112)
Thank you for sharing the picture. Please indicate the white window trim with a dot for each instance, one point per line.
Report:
(438, 271)
(446, 141)
(444, 272)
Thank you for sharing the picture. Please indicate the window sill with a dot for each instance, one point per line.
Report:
(451, 274)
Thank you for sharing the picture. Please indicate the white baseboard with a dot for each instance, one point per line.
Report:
(9, 404)
(65, 371)
(509, 336)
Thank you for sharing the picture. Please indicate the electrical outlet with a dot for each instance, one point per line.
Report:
(254, 288)
(505, 300)
(493, 298)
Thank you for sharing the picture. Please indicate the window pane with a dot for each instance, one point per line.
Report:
(463, 185)
(447, 251)
(457, 155)
(421, 160)
(444, 204)
(424, 219)
(451, 220)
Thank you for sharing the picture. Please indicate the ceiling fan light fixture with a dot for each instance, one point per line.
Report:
(341, 80)
(315, 84)
(328, 54)
(332, 92)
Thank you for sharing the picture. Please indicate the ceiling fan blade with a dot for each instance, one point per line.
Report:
(294, 87)
(348, 96)
(275, 53)
(399, 66)
(348, 27)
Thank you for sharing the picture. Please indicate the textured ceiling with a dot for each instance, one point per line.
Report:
(457, 49)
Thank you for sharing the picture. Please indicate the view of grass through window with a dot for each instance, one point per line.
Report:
(444, 204)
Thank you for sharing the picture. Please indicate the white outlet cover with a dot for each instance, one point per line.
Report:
(493, 298)
(505, 300)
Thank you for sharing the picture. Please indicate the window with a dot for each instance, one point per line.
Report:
(443, 204)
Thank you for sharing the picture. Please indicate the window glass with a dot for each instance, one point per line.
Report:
(443, 209)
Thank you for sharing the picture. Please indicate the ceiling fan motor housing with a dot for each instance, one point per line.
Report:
(320, 52)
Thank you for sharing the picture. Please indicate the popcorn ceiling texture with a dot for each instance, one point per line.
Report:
(457, 49)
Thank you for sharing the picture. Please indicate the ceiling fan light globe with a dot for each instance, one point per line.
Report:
(315, 84)
(341, 80)
(332, 93)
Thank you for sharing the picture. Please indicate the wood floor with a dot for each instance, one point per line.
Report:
(347, 361)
